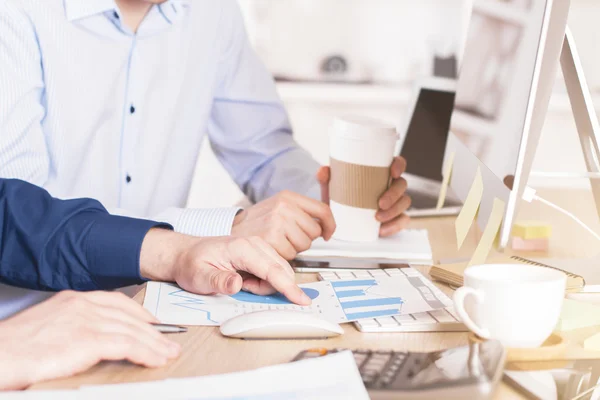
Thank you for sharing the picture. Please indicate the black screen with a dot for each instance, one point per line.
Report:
(427, 134)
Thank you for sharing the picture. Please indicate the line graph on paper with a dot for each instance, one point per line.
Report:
(336, 301)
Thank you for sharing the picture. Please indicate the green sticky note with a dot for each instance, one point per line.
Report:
(577, 314)
(592, 343)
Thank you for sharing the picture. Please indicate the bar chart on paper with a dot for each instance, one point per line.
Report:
(361, 299)
(337, 301)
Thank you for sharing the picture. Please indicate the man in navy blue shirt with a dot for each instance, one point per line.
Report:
(51, 244)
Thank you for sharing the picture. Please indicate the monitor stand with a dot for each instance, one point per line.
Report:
(584, 112)
(588, 129)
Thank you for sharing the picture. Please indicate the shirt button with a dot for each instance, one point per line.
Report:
(128, 179)
(116, 15)
(132, 109)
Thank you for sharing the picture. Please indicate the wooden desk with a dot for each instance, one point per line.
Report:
(205, 351)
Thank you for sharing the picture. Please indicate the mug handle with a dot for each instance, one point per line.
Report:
(459, 305)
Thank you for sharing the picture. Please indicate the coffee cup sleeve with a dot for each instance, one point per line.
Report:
(355, 185)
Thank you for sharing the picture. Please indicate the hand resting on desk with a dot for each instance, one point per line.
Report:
(73, 331)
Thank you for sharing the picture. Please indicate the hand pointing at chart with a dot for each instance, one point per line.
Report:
(223, 265)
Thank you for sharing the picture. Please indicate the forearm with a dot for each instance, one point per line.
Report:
(294, 170)
(250, 131)
(51, 244)
(161, 252)
(13, 374)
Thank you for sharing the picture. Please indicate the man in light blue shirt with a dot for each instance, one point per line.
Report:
(111, 99)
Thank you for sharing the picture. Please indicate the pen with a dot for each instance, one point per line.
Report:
(164, 328)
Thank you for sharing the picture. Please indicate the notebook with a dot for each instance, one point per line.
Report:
(587, 268)
(409, 246)
(452, 274)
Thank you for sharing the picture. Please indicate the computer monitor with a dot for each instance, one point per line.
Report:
(426, 135)
(508, 70)
(423, 139)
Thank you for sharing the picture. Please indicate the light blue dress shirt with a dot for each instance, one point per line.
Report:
(90, 109)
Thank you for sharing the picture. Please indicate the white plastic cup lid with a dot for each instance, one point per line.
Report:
(363, 128)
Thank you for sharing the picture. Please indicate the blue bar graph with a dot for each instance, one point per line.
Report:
(342, 284)
(372, 314)
(350, 293)
(276, 298)
(371, 302)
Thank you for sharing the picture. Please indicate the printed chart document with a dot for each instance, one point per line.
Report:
(406, 292)
(410, 246)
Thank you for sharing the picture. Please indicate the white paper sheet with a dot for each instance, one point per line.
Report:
(40, 394)
(331, 377)
(409, 246)
(342, 301)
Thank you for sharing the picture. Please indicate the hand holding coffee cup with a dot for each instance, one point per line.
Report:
(361, 153)
(518, 305)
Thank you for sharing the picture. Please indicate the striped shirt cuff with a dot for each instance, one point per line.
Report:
(200, 221)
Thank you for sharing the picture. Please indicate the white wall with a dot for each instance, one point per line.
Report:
(413, 28)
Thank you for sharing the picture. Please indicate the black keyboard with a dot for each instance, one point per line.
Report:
(379, 369)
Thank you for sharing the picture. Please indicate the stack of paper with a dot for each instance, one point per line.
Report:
(331, 377)
(406, 292)
(409, 246)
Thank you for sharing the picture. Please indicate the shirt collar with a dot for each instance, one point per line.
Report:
(173, 10)
(78, 9)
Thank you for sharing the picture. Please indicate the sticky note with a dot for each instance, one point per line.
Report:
(469, 211)
(577, 314)
(592, 343)
(531, 230)
(446, 181)
(489, 235)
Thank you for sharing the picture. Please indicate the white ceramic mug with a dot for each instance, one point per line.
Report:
(369, 146)
(519, 305)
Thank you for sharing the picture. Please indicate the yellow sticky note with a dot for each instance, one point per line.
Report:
(592, 343)
(469, 211)
(489, 235)
(531, 230)
(445, 181)
(577, 314)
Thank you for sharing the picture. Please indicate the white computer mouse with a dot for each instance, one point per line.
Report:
(280, 324)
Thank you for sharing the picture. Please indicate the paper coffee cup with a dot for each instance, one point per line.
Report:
(361, 153)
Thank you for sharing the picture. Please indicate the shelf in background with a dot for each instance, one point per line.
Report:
(376, 94)
(344, 93)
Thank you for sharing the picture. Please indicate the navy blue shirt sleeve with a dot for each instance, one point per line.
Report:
(52, 244)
